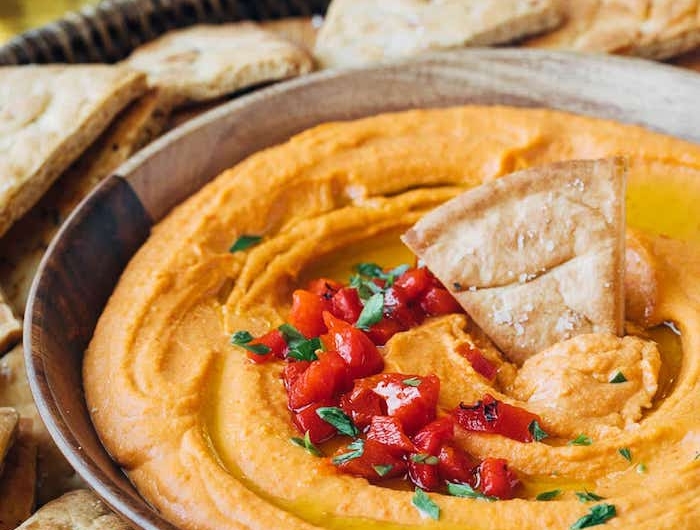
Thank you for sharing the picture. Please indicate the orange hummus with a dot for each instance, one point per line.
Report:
(205, 435)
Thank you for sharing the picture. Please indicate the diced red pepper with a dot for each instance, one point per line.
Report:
(273, 340)
(481, 364)
(322, 380)
(307, 313)
(324, 287)
(398, 308)
(414, 282)
(434, 435)
(413, 406)
(496, 479)
(356, 348)
(346, 305)
(388, 431)
(376, 463)
(456, 465)
(383, 330)
(292, 371)
(425, 476)
(496, 417)
(362, 405)
(437, 301)
(306, 419)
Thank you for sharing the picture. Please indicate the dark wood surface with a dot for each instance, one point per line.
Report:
(83, 264)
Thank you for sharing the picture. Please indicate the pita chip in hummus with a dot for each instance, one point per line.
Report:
(535, 257)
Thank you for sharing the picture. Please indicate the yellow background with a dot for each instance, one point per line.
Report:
(17, 16)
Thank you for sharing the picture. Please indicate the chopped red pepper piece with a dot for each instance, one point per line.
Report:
(437, 301)
(377, 462)
(306, 419)
(324, 287)
(398, 308)
(388, 431)
(425, 476)
(322, 380)
(481, 364)
(383, 330)
(292, 372)
(414, 282)
(307, 313)
(434, 435)
(455, 465)
(273, 340)
(358, 351)
(496, 479)
(496, 417)
(346, 305)
(362, 405)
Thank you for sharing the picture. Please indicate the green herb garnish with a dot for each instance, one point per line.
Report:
(598, 514)
(365, 288)
(305, 443)
(581, 439)
(424, 458)
(465, 490)
(243, 338)
(338, 419)
(412, 381)
(357, 449)
(548, 495)
(300, 348)
(626, 453)
(619, 377)
(641, 468)
(536, 431)
(382, 470)
(372, 312)
(588, 496)
(245, 242)
(425, 505)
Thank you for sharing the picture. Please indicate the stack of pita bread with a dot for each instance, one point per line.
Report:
(64, 128)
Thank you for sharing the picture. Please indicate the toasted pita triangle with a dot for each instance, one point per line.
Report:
(535, 257)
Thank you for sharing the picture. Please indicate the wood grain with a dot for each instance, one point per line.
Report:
(83, 264)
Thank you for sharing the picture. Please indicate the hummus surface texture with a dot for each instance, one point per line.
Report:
(205, 435)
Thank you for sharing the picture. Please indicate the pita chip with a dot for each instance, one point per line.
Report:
(8, 430)
(359, 32)
(10, 328)
(535, 257)
(18, 480)
(206, 62)
(654, 29)
(48, 116)
(76, 510)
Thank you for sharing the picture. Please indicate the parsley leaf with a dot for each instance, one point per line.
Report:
(338, 419)
(290, 334)
(242, 339)
(465, 490)
(357, 449)
(626, 453)
(599, 514)
(588, 496)
(548, 495)
(365, 288)
(412, 381)
(306, 443)
(245, 242)
(581, 439)
(619, 377)
(372, 270)
(536, 431)
(425, 505)
(641, 468)
(424, 458)
(382, 470)
(372, 312)
(300, 348)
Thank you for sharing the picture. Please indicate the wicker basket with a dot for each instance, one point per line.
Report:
(110, 31)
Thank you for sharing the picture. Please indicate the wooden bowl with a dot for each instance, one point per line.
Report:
(85, 260)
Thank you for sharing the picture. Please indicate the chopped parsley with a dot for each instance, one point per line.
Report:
(626, 453)
(365, 288)
(245, 242)
(619, 377)
(372, 270)
(412, 381)
(300, 348)
(536, 431)
(581, 439)
(548, 495)
(357, 449)
(425, 505)
(382, 470)
(641, 468)
(598, 514)
(424, 458)
(465, 490)
(372, 312)
(243, 338)
(338, 419)
(305, 443)
(588, 496)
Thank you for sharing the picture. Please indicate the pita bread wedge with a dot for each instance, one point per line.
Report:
(18, 480)
(302, 31)
(654, 29)
(359, 32)
(24, 244)
(10, 328)
(76, 510)
(534, 257)
(206, 62)
(55, 474)
(48, 116)
(8, 430)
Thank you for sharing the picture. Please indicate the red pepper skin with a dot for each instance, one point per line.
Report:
(306, 419)
(456, 465)
(434, 435)
(414, 283)
(492, 416)
(307, 313)
(382, 331)
(388, 431)
(353, 345)
(437, 301)
(362, 405)
(374, 454)
(346, 305)
(322, 380)
(324, 287)
(481, 364)
(292, 371)
(496, 479)
(425, 476)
